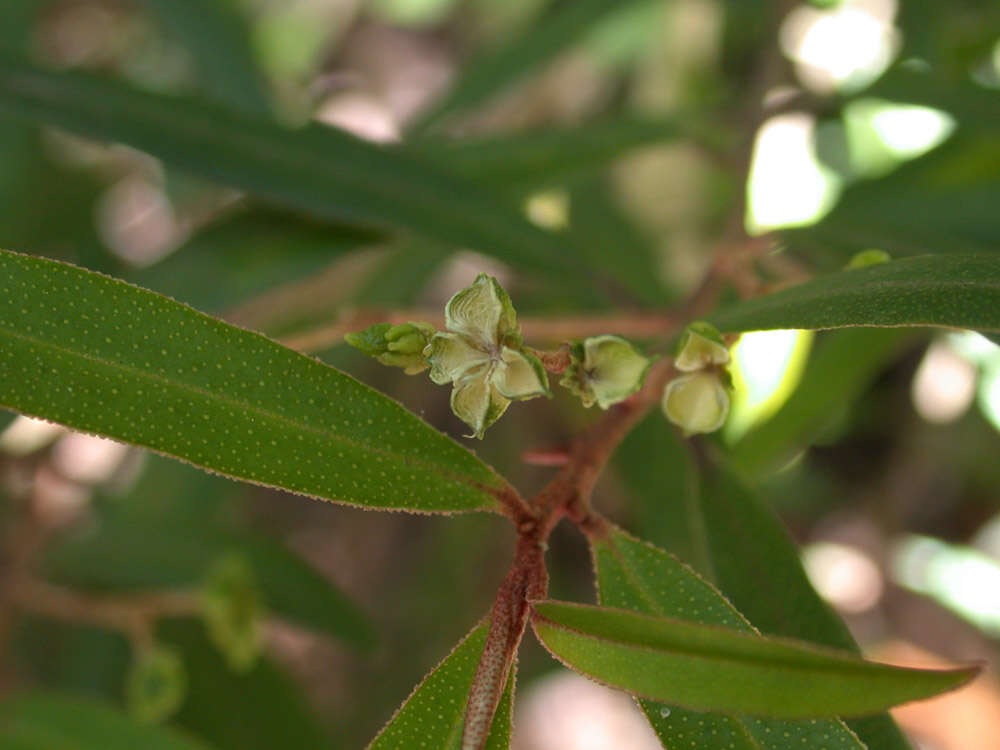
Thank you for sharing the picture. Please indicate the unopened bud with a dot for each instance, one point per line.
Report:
(395, 345)
(868, 258)
(155, 685)
(697, 402)
(233, 612)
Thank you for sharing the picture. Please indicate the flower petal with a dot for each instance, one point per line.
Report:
(519, 375)
(614, 368)
(482, 311)
(697, 402)
(701, 345)
(451, 356)
(477, 403)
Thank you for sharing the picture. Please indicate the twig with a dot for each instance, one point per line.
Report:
(133, 615)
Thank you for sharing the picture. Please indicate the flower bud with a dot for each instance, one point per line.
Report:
(233, 612)
(155, 685)
(605, 370)
(868, 258)
(395, 345)
(697, 402)
(700, 346)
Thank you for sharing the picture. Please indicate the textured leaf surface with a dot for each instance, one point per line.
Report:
(142, 555)
(637, 576)
(960, 291)
(102, 356)
(721, 669)
(49, 721)
(433, 716)
(320, 170)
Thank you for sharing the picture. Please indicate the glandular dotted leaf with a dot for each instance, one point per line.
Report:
(105, 357)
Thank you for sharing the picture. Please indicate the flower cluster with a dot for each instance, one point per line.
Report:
(698, 400)
(482, 356)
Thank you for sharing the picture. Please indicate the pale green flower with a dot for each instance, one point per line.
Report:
(697, 402)
(481, 355)
(701, 346)
(605, 370)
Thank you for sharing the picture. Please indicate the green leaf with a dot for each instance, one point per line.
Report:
(130, 553)
(262, 709)
(102, 356)
(541, 158)
(960, 291)
(972, 105)
(433, 716)
(709, 668)
(246, 254)
(219, 40)
(50, 721)
(320, 170)
(497, 69)
(638, 576)
(842, 366)
(940, 202)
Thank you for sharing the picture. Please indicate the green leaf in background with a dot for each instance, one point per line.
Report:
(553, 33)
(246, 254)
(638, 576)
(105, 357)
(721, 669)
(536, 159)
(262, 709)
(433, 716)
(50, 721)
(219, 40)
(940, 202)
(959, 291)
(758, 568)
(842, 366)
(132, 553)
(973, 106)
(320, 170)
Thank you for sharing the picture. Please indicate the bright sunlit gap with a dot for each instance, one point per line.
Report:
(564, 711)
(767, 367)
(960, 578)
(845, 576)
(788, 185)
(844, 47)
(945, 383)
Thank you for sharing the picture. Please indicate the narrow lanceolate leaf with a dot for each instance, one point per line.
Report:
(637, 576)
(47, 721)
(433, 716)
(496, 70)
(540, 158)
(711, 668)
(105, 357)
(218, 39)
(958, 291)
(322, 171)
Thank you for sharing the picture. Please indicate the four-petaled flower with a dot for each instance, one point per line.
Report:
(481, 354)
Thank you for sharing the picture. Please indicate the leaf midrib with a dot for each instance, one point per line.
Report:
(223, 399)
(735, 659)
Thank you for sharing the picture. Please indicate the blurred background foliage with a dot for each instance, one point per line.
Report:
(639, 132)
